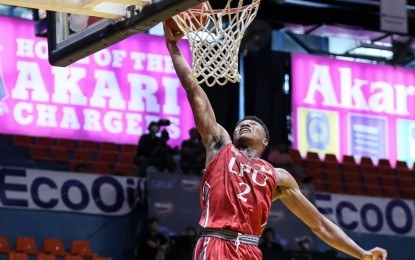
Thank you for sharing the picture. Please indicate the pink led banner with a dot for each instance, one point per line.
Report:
(109, 96)
(343, 107)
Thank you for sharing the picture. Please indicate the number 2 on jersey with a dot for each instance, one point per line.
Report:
(246, 191)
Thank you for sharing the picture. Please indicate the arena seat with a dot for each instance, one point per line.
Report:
(68, 143)
(88, 145)
(386, 170)
(312, 156)
(102, 167)
(53, 246)
(26, 245)
(407, 182)
(17, 256)
(349, 167)
(100, 258)
(60, 154)
(354, 188)
(408, 193)
(389, 180)
(332, 166)
(81, 247)
(110, 147)
(84, 155)
(73, 257)
(296, 157)
(384, 163)
(404, 172)
(401, 165)
(320, 185)
(349, 164)
(334, 176)
(391, 191)
(107, 156)
(44, 256)
(45, 141)
(368, 169)
(317, 174)
(4, 245)
(129, 148)
(335, 187)
(366, 161)
(21, 140)
(352, 177)
(348, 159)
(312, 161)
(126, 158)
(328, 157)
(124, 169)
(370, 179)
(39, 153)
(373, 190)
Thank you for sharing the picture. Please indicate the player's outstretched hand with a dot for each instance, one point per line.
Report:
(376, 253)
(171, 36)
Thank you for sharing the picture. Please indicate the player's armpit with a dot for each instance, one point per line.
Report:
(296, 202)
(280, 178)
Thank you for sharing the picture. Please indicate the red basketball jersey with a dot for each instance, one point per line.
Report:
(236, 192)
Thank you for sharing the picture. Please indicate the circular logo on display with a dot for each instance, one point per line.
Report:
(318, 130)
(163, 207)
(190, 184)
(276, 215)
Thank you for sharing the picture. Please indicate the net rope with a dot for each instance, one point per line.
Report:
(215, 36)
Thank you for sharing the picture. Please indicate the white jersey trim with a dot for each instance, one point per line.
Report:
(206, 193)
(206, 241)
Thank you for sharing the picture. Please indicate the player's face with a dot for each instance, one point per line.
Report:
(249, 130)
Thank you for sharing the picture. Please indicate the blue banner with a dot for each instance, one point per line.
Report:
(70, 192)
(370, 215)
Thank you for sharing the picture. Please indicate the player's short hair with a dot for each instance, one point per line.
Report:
(259, 121)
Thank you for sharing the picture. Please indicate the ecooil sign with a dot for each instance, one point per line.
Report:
(374, 215)
(71, 192)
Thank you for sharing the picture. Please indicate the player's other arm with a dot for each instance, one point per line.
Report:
(212, 134)
(290, 194)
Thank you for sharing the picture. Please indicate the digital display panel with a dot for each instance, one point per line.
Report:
(342, 107)
(111, 95)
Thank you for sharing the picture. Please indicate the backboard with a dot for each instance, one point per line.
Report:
(78, 28)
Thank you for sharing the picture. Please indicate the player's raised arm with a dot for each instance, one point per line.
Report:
(290, 194)
(213, 135)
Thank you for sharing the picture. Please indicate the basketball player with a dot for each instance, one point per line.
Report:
(238, 187)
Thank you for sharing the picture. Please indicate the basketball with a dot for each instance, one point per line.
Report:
(195, 19)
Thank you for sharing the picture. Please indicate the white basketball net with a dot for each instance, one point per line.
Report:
(215, 37)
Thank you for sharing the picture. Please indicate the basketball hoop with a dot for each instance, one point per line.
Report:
(215, 36)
